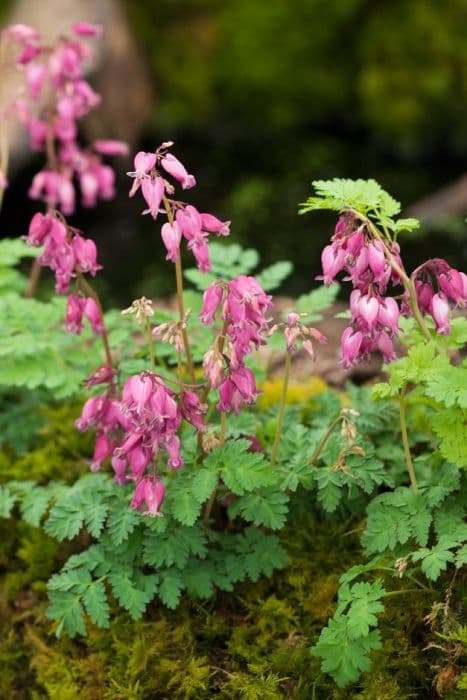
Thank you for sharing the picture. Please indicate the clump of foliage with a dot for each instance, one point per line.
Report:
(197, 491)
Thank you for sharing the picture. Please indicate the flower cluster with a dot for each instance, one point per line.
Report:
(243, 306)
(451, 285)
(366, 260)
(371, 263)
(68, 255)
(295, 330)
(57, 96)
(184, 220)
(134, 430)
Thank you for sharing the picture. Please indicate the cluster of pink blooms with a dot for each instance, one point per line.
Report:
(133, 431)
(451, 285)
(57, 97)
(371, 266)
(243, 305)
(67, 254)
(184, 220)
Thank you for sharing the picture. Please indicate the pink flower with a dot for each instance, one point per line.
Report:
(144, 163)
(85, 253)
(212, 224)
(153, 192)
(385, 346)
(39, 228)
(172, 165)
(212, 298)
(110, 147)
(368, 308)
(86, 29)
(93, 314)
(21, 33)
(103, 449)
(200, 250)
(440, 312)
(172, 445)
(149, 496)
(193, 410)
(74, 314)
(171, 235)
(189, 220)
(332, 261)
(388, 314)
(213, 366)
(35, 76)
(350, 346)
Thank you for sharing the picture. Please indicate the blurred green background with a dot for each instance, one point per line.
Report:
(263, 97)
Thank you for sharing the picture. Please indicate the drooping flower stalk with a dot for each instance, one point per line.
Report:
(180, 302)
(282, 405)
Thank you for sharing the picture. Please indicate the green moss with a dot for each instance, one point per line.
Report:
(250, 644)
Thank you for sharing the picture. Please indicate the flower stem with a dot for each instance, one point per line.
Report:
(405, 441)
(152, 357)
(316, 454)
(280, 418)
(105, 337)
(181, 308)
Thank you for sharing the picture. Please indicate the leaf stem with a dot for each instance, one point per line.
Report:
(405, 440)
(280, 418)
(152, 357)
(316, 454)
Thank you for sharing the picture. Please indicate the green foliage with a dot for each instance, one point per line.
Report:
(346, 641)
(230, 260)
(366, 197)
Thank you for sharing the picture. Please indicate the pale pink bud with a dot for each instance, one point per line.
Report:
(190, 222)
(74, 314)
(200, 250)
(332, 261)
(172, 445)
(425, 293)
(226, 389)
(212, 224)
(143, 164)
(103, 449)
(106, 180)
(89, 185)
(388, 314)
(21, 32)
(93, 314)
(308, 346)
(385, 346)
(138, 459)
(85, 253)
(440, 312)
(119, 465)
(350, 346)
(376, 259)
(244, 380)
(66, 195)
(148, 496)
(172, 165)
(368, 308)
(451, 284)
(212, 298)
(110, 147)
(35, 76)
(86, 29)
(213, 366)
(39, 228)
(171, 235)
(153, 192)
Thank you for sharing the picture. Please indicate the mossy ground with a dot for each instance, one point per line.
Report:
(252, 644)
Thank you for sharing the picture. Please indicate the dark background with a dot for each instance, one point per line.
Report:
(263, 97)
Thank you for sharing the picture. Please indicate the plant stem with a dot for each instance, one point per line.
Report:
(105, 337)
(181, 308)
(223, 427)
(322, 444)
(152, 357)
(280, 418)
(33, 281)
(4, 141)
(405, 441)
